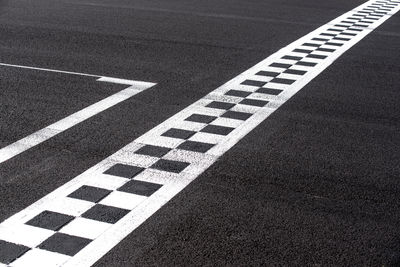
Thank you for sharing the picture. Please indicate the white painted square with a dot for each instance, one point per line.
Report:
(224, 98)
(131, 158)
(155, 140)
(300, 67)
(186, 156)
(227, 122)
(289, 76)
(203, 111)
(207, 138)
(245, 108)
(110, 182)
(85, 228)
(42, 258)
(317, 41)
(123, 200)
(158, 176)
(279, 86)
(209, 111)
(261, 96)
(242, 87)
(190, 125)
(26, 235)
(198, 161)
(316, 60)
(70, 206)
(260, 78)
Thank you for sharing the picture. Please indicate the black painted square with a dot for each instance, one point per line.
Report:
(335, 30)
(10, 251)
(170, 165)
(267, 73)
(365, 21)
(304, 51)
(311, 44)
(280, 65)
(333, 43)
(325, 50)
(355, 29)
(282, 81)
(153, 151)
(178, 133)
(123, 170)
(269, 91)
(346, 21)
(320, 39)
(291, 58)
(50, 220)
(200, 118)
(370, 18)
(296, 72)
(253, 83)
(316, 56)
(140, 188)
(305, 63)
(254, 102)
(90, 193)
(348, 34)
(237, 115)
(238, 93)
(342, 25)
(360, 25)
(220, 105)
(216, 129)
(104, 213)
(64, 244)
(328, 34)
(341, 39)
(195, 146)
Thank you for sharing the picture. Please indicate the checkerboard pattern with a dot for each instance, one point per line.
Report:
(66, 223)
(71, 224)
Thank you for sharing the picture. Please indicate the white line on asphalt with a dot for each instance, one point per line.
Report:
(60, 126)
(166, 159)
(100, 78)
(48, 70)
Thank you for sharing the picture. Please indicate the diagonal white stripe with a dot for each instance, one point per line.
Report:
(62, 125)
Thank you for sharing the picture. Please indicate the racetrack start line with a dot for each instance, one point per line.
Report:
(79, 222)
(62, 125)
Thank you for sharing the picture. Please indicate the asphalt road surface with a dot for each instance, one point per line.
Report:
(314, 184)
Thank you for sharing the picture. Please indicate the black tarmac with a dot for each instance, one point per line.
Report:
(316, 184)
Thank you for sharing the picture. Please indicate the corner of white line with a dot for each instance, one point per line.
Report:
(126, 82)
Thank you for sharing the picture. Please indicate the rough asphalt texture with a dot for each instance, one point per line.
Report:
(317, 183)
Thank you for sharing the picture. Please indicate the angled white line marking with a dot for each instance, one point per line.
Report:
(48, 70)
(58, 127)
(163, 161)
(99, 77)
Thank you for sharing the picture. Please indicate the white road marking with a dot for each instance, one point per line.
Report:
(171, 139)
(58, 127)
(48, 70)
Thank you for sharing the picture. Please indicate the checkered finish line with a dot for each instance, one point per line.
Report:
(81, 221)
